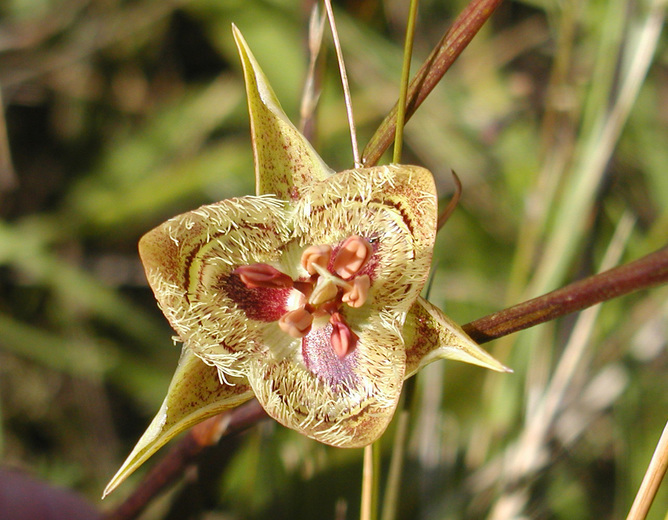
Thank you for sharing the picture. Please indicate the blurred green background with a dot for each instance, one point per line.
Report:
(120, 114)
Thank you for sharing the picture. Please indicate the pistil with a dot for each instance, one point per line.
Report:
(325, 290)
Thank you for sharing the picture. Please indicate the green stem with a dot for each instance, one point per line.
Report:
(405, 75)
(370, 474)
(455, 40)
(393, 485)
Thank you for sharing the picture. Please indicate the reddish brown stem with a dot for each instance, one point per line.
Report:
(455, 40)
(452, 205)
(184, 454)
(644, 273)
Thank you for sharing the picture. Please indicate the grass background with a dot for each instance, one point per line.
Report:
(121, 114)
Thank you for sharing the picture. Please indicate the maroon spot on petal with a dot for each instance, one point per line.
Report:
(259, 304)
(321, 360)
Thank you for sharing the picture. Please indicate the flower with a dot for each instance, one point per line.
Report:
(305, 296)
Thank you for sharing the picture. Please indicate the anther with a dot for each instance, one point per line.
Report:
(353, 256)
(296, 323)
(343, 339)
(318, 255)
(359, 291)
(263, 275)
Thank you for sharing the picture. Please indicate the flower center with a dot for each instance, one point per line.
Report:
(334, 281)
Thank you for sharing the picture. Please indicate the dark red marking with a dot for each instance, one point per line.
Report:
(260, 304)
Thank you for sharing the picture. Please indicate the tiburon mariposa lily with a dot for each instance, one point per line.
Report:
(305, 296)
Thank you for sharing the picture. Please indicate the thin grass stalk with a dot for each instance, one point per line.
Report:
(598, 146)
(405, 75)
(454, 41)
(344, 82)
(393, 484)
(369, 502)
(8, 179)
(529, 455)
(655, 473)
(311, 90)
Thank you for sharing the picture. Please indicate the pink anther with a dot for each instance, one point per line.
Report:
(356, 296)
(343, 338)
(319, 255)
(353, 256)
(263, 275)
(296, 323)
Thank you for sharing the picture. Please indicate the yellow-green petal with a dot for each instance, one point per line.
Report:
(430, 335)
(346, 403)
(285, 162)
(392, 206)
(189, 262)
(195, 394)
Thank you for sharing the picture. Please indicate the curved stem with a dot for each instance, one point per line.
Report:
(184, 454)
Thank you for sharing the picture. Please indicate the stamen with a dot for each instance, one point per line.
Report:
(296, 323)
(353, 256)
(343, 339)
(263, 275)
(357, 295)
(316, 255)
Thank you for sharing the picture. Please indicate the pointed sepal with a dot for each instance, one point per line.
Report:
(195, 394)
(285, 162)
(430, 335)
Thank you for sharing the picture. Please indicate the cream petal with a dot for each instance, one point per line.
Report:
(195, 394)
(189, 262)
(430, 335)
(285, 162)
(394, 207)
(341, 402)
